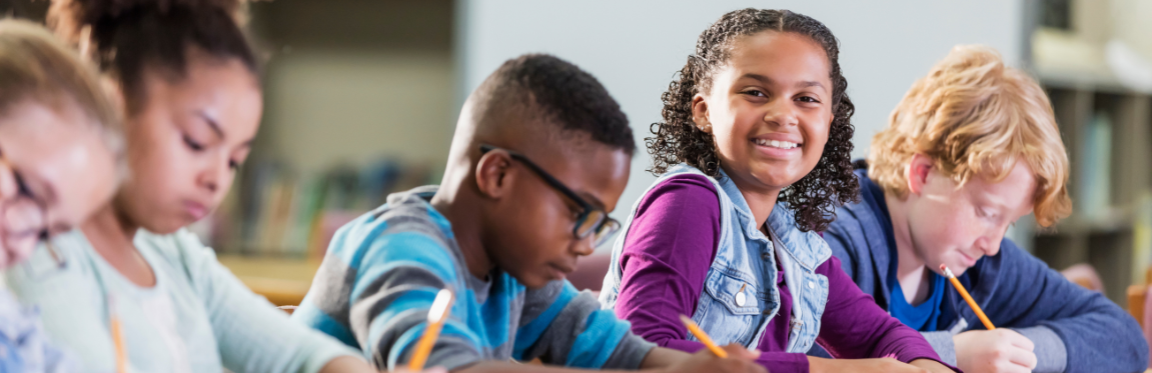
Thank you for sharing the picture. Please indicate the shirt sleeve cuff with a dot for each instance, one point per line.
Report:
(1051, 354)
(943, 345)
(629, 353)
(783, 362)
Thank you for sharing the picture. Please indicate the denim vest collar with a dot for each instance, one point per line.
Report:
(780, 221)
(740, 295)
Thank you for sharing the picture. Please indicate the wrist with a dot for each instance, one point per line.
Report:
(930, 365)
(818, 364)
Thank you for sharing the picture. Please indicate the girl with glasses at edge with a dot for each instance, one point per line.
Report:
(60, 150)
(141, 293)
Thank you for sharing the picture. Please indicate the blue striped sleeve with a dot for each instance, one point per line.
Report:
(570, 329)
(398, 275)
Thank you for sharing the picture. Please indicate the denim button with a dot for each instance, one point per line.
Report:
(740, 298)
(811, 285)
(764, 255)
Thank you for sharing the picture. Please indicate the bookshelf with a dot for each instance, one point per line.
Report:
(1107, 130)
(358, 104)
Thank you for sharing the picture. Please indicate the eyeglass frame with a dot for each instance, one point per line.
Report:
(44, 235)
(567, 192)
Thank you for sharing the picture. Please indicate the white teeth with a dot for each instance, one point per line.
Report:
(776, 143)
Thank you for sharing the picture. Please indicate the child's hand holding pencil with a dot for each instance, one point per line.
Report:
(715, 359)
(993, 350)
(739, 360)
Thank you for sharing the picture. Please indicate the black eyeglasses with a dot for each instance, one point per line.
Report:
(592, 221)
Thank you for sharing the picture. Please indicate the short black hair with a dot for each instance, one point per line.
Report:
(564, 94)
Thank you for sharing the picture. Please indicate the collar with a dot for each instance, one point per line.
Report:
(806, 248)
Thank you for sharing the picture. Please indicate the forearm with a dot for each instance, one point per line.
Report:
(932, 365)
(1051, 354)
(256, 337)
(1104, 341)
(1100, 334)
(659, 357)
(774, 361)
(510, 367)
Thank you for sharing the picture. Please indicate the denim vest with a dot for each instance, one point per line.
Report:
(740, 295)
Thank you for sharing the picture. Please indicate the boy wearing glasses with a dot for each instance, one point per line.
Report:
(540, 155)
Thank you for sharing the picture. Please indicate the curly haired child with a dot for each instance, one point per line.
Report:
(753, 154)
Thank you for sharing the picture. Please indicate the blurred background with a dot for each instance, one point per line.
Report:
(362, 97)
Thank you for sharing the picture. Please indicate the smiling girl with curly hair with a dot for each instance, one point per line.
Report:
(753, 157)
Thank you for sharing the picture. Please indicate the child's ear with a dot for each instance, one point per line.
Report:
(917, 172)
(493, 176)
(700, 113)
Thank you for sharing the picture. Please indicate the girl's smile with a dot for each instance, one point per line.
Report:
(769, 110)
(779, 145)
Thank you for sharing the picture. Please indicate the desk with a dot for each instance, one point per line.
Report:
(282, 281)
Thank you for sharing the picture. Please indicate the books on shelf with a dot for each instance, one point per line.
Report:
(1095, 184)
(275, 211)
(1142, 238)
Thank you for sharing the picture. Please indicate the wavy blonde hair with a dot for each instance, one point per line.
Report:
(972, 115)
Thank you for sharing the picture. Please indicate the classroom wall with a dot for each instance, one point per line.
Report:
(350, 81)
(634, 47)
(355, 106)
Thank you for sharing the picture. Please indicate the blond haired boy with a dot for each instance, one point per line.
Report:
(972, 148)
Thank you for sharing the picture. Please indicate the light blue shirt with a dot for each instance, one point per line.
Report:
(197, 318)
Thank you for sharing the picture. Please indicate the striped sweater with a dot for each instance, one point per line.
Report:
(383, 270)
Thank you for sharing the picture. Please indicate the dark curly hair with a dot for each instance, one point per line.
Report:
(678, 140)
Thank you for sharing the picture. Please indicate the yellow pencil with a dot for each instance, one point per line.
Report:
(967, 298)
(117, 337)
(437, 315)
(703, 337)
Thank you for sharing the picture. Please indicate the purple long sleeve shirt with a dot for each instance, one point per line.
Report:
(665, 261)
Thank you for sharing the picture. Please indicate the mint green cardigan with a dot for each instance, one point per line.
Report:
(197, 318)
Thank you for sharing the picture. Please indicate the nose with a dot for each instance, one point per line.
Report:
(583, 247)
(215, 174)
(781, 112)
(989, 244)
(210, 181)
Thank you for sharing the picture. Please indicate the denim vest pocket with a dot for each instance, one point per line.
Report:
(730, 311)
(813, 297)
